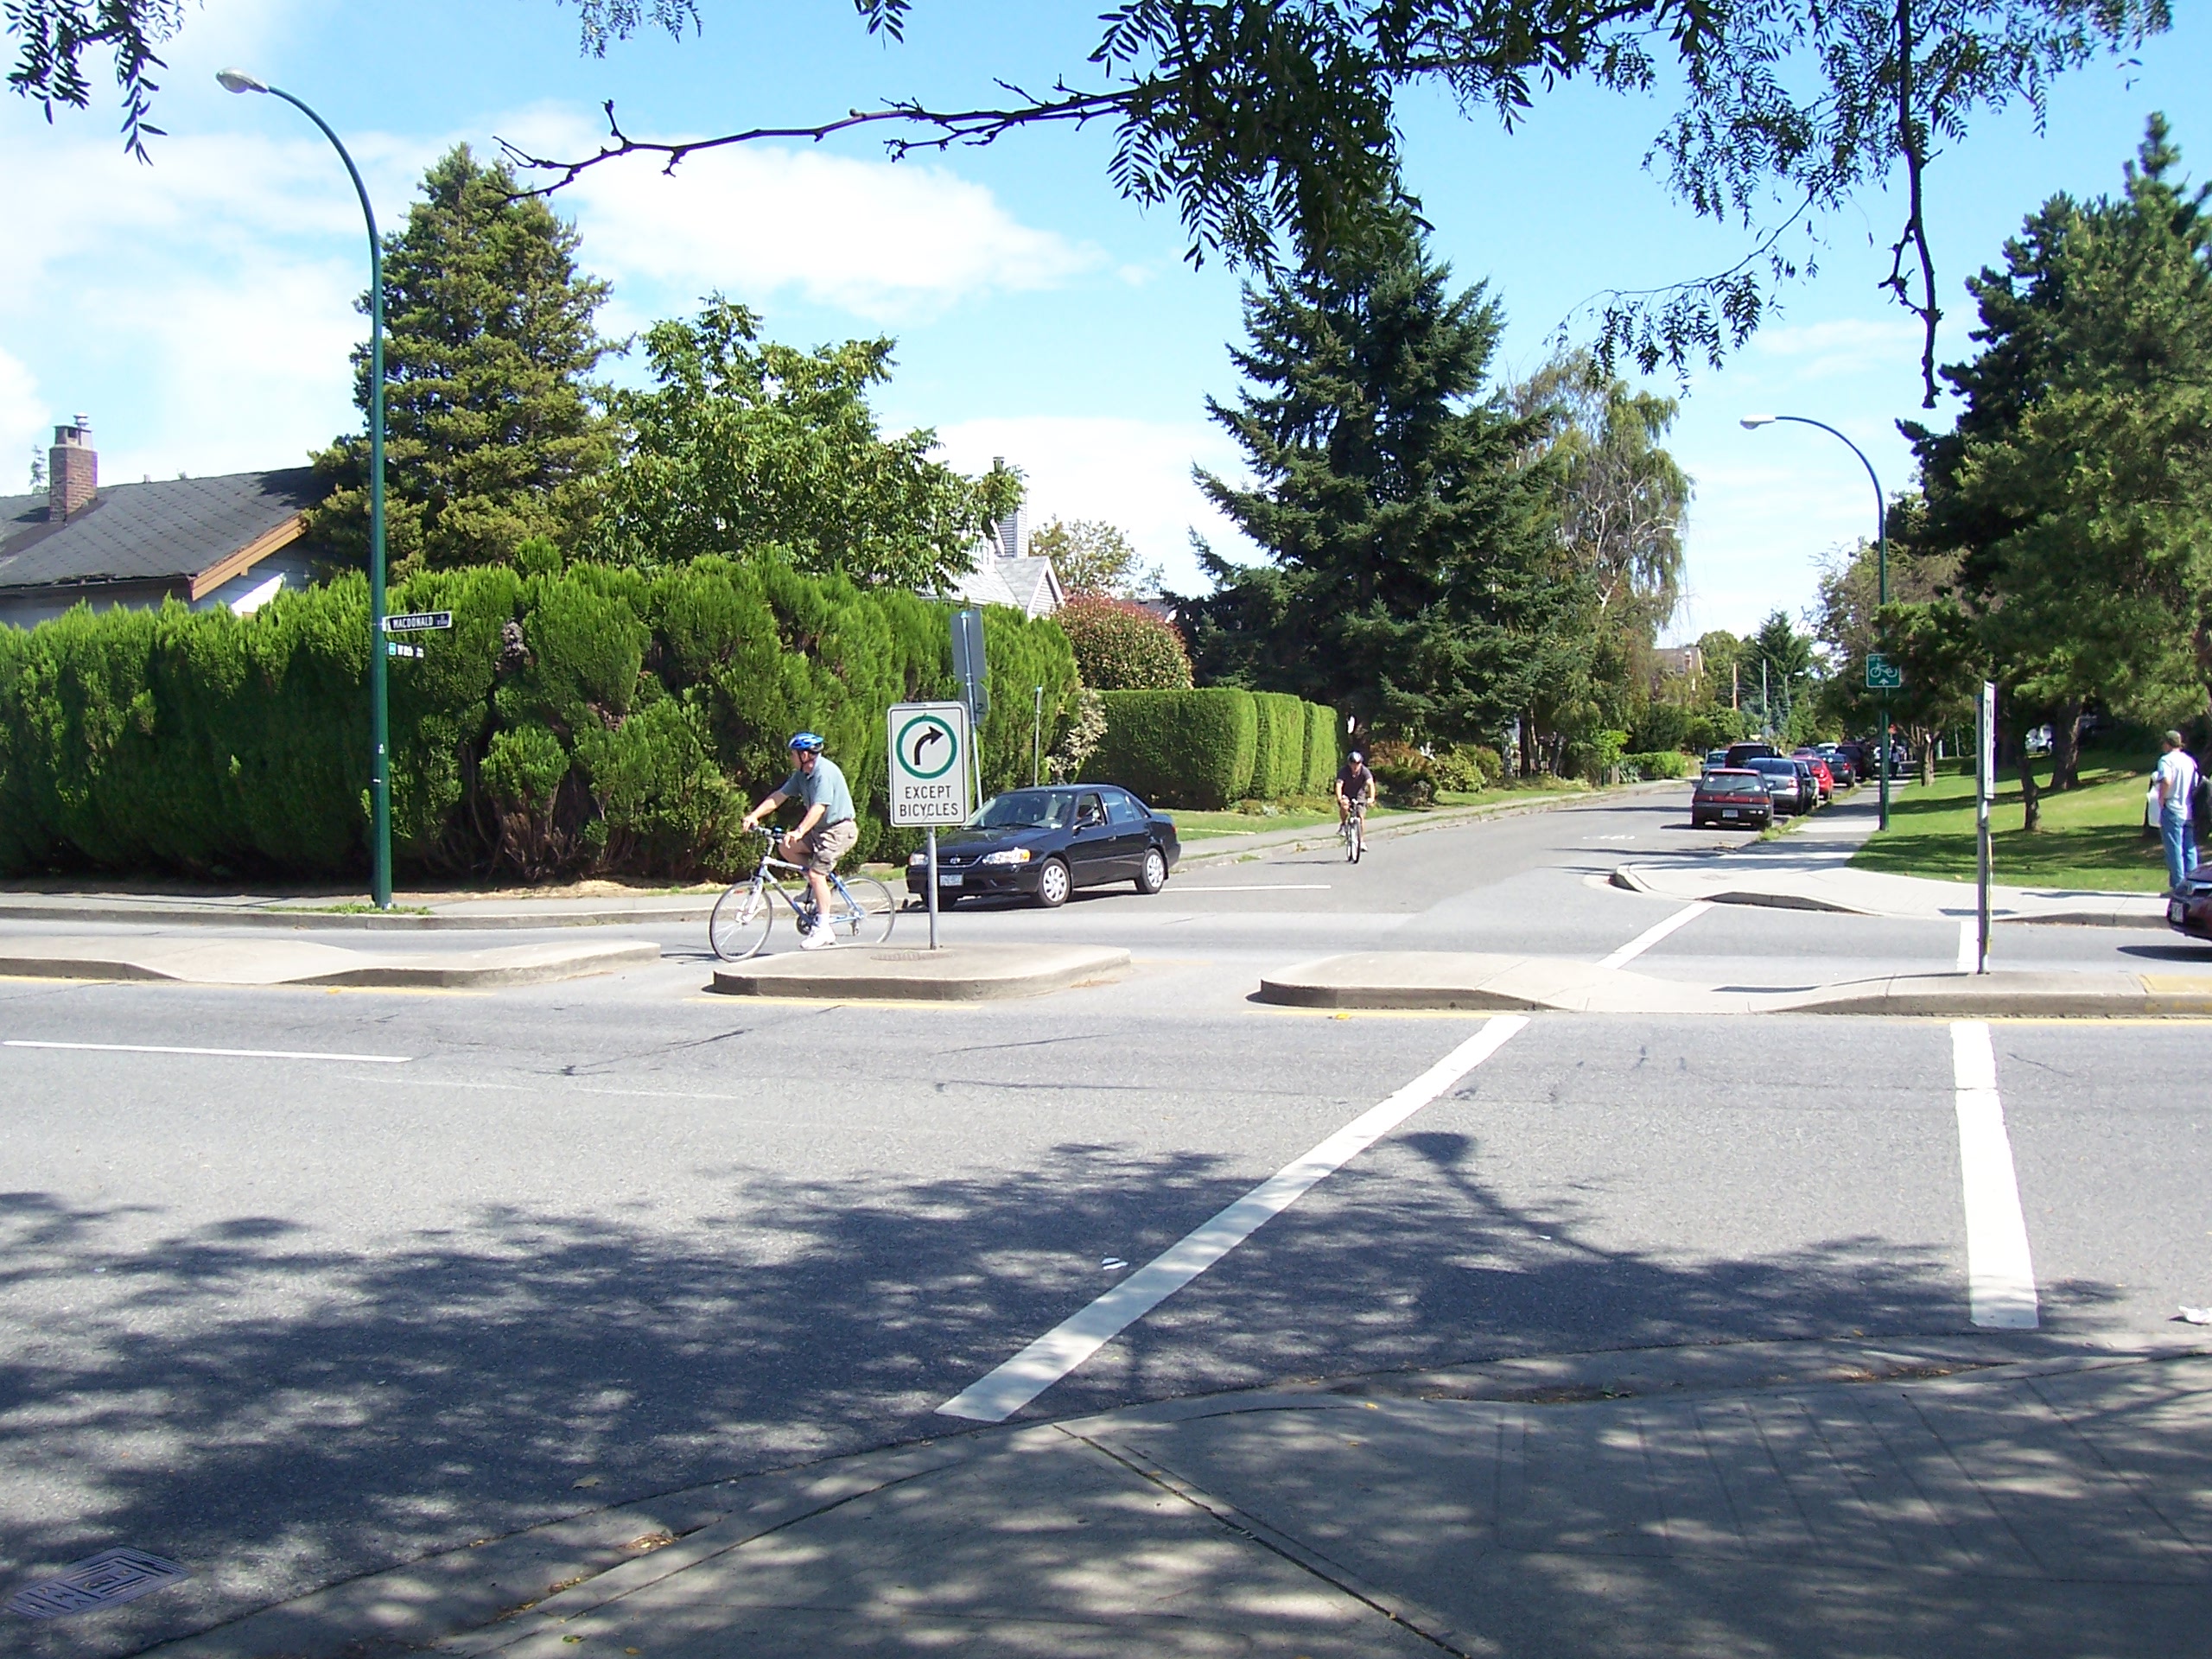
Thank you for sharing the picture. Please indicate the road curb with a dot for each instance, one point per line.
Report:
(404, 921)
(959, 973)
(295, 962)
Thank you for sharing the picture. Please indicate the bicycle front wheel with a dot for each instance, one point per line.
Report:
(865, 911)
(742, 917)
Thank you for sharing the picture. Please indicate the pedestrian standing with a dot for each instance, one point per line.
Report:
(2174, 783)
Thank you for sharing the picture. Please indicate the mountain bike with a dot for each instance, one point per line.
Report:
(1354, 830)
(860, 910)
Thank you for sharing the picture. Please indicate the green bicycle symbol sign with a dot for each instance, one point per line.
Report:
(928, 746)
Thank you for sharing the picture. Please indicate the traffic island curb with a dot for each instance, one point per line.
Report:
(298, 961)
(1428, 980)
(959, 973)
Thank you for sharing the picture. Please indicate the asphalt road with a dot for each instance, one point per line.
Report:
(463, 1263)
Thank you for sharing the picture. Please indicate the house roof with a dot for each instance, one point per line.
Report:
(198, 531)
(1029, 585)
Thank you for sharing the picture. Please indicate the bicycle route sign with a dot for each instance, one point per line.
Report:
(930, 765)
(1882, 673)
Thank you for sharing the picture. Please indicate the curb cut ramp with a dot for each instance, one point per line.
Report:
(302, 962)
(1485, 984)
(959, 973)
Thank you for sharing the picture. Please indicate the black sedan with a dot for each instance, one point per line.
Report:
(1044, 843)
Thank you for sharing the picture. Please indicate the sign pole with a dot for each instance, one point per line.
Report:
(1984, 787)
(933, 888)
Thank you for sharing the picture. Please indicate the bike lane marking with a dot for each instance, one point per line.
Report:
(218, 1054)
(1651, 936)
(2000, 1274)
(1004, 1391)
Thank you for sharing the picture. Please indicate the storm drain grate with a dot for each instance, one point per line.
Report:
(101, 1580)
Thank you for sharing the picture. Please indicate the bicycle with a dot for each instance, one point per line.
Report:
(1354, 830)
(860, 909)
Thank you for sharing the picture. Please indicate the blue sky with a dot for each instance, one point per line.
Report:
(199, 310)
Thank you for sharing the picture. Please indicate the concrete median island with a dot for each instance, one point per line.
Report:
(959, 973)
(302, 961)
(1483, 983)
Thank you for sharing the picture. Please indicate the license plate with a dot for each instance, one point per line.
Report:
(1727, 811)
(2175, 911)
(949, 880)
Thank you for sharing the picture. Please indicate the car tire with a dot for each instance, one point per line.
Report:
(1153, 876)
(1053, 884)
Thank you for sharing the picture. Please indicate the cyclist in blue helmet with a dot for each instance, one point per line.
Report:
(826, 832)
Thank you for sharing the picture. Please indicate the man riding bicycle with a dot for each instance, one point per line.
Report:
(825, 835)
(1355, 787)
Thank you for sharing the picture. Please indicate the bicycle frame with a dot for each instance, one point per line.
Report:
(771, 874)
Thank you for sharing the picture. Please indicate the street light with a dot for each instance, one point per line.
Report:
(234, 80)
(1752, 423)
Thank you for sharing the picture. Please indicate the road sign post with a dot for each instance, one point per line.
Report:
(1882, 673)
(1985, 789)
(929, 750)
(968, 668)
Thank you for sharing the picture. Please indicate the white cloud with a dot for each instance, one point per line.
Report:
(884, 240)
(1133, 473)
(1840, 347)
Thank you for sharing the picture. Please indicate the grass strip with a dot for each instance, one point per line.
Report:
(2092, 837)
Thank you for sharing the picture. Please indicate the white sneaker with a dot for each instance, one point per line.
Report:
(814, 938)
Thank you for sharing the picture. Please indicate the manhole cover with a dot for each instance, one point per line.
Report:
(101, 1580)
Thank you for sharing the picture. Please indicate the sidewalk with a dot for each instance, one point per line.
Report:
(413, 911)
(1969, 1497)
(1809, 869)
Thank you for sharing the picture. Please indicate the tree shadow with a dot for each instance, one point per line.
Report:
(279, 1415)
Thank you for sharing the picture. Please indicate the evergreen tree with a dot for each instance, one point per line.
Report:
(492, 435)
(2076, 485)
(1413, 578)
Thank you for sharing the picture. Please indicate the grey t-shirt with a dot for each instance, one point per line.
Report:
(826, 789)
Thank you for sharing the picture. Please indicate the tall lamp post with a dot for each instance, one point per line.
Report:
(1752, 423)
(233, 81)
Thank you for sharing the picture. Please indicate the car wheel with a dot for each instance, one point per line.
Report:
(1052, 884)
(1153, 876)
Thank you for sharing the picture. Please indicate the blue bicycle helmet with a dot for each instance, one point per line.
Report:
(806, 740)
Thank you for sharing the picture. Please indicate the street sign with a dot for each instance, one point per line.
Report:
(418, 622)
(929, 764)
(393, 648)
(1882, 673)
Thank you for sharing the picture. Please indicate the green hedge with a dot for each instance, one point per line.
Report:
(1279, 754)
(1653, 763)
(1212, 747)
(591, 720)
(1322, 759)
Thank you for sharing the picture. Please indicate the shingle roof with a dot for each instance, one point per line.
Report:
(1025, 584)
(166, 529)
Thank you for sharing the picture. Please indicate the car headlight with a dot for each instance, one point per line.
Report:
(1010, 856)
(915, 860)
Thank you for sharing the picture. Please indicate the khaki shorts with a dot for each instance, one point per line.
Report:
(827, 842)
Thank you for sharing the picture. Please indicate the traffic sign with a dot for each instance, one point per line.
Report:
(418, 622)
(393, 648)
(1882, 673)
(968, 660)
(929, 764)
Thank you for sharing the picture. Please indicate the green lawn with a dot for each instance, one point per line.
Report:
(2091, 837)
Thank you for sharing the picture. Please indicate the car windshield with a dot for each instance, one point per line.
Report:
(1027, 809)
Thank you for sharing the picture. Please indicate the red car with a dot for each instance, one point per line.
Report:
(1736, 798)
(1821, 775)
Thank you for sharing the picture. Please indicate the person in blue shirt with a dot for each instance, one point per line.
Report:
(821, 837)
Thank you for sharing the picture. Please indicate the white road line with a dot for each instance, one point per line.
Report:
(2000, 1277)
(1969, 944)
(221, 1053)
(1651, 936)
(1264, 887)
(997, 1396)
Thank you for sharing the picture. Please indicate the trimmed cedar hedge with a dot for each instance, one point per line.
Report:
(591, 720)
(1212, 747)
(1322, 757)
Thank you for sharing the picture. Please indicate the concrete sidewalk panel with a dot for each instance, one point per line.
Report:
(302, 961)
(957, 973)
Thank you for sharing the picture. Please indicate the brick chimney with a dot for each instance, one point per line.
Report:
(72, 471)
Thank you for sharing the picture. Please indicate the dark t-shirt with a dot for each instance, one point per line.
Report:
(1354, 781)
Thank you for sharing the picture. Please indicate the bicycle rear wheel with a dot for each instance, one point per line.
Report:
(865, 912)
(742, 918)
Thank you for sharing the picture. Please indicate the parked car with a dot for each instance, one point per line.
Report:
(2189, 910)
(1809, 782)
(1742, 754)
(1861, 756)
(1821, 774)
(1044, 843)
(1715, 758)
(1737, 798)
(1786, 787)
(1841, 769)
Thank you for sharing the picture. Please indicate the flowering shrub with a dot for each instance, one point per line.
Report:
(1120, 647)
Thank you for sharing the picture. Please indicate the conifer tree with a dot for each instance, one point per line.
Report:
(493, 435)
(1407, 517)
